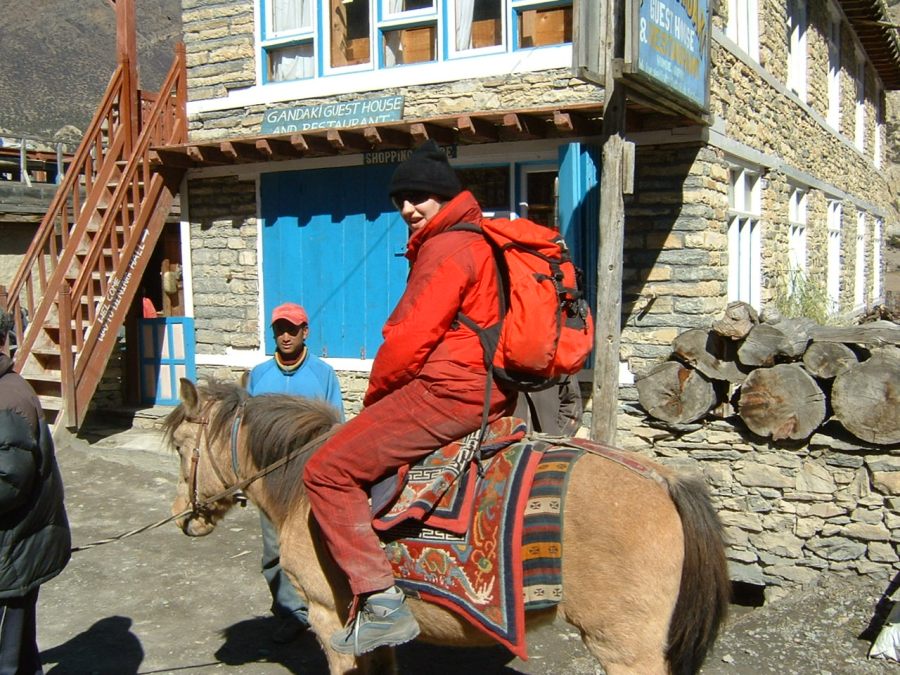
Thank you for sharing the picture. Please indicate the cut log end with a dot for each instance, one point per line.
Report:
(675, 393)
(782, 402)
(866, 399)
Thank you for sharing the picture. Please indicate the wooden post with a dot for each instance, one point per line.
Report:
(126, 54)
(66, 363)
(605, 395)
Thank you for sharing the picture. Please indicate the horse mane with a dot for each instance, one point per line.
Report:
(273, 425)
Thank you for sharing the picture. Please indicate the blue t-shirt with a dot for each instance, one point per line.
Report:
(313, 379)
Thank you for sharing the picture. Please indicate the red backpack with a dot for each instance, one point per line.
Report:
(545, 330)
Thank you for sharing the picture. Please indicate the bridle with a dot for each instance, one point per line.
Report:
(201, 507)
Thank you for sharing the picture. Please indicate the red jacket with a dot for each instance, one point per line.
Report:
(449, 273)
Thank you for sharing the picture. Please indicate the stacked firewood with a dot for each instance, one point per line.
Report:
(783, 377)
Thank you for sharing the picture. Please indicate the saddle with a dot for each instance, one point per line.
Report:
(483, 540)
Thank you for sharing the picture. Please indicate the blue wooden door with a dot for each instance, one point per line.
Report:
(579, 211)
(333, 243)
(166, 347)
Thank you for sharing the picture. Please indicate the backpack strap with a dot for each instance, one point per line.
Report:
(489, 337)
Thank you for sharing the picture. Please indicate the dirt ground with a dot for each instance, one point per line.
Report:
(160, 602)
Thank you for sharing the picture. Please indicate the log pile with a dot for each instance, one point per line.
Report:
(784, 378)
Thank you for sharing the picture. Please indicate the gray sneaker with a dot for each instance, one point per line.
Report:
(383, 621)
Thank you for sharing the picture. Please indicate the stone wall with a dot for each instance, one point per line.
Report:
(790, 511)
(224, 264)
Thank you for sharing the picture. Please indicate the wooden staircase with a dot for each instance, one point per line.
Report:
(78, 278)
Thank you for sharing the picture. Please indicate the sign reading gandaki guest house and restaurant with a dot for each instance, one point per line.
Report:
(667, 48)
(332, 115)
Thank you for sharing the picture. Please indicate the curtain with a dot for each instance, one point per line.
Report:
(393, 49)
(291, 15)
(292, 63)
(465, 9)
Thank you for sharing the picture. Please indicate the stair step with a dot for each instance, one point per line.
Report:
(50, 376)
(54, 403)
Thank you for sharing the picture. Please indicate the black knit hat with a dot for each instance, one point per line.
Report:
(426, 170)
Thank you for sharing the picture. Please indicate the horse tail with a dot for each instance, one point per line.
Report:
(705, 585)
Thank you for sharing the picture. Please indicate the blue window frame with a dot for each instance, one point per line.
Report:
(304, 39)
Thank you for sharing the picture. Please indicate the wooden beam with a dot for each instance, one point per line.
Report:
(347, 141)
(575, 124)
(309, 144)
(611, 225)
(387, 137)
(276, 149)
(204, 154)
(159, 157)
(241, 151)
(519, 127)
(476, 130)
(422, 131)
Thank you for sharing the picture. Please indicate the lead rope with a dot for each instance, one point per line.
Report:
(234, 489)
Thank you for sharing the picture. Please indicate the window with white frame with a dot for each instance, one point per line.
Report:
(796, 65)
(834, 73)
(796, 237)
(859, 136)
(303, 39)
(859, 287)
(743, 26)
(833, 270)
(744, 260)
(876, 260)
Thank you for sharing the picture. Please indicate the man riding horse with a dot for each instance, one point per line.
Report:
(427, 388)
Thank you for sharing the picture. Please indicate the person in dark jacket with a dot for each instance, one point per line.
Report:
(34, 532)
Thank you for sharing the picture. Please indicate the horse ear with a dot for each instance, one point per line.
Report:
(189, 396)
(245, 379)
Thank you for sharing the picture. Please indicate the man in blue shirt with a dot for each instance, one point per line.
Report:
(293, 370)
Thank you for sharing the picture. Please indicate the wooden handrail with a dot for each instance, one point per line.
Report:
(32, 275)
(157, 130)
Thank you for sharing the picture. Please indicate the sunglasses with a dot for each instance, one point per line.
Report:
(413, 198)
(287, 327)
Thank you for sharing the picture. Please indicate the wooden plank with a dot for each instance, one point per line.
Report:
(521, 127)
(347, 141)
(277, 149)
(310, 144)
(476, 130)
(241, 152)
(575, 124)
(608, 312)
(422, 131)
(387, 138)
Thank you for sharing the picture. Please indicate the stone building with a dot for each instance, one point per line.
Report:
(299, 111)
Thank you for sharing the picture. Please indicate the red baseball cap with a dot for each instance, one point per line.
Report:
(291, 313)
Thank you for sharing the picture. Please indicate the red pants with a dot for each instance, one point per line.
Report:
(397, 430)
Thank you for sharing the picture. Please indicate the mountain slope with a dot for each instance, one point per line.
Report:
(56, 58)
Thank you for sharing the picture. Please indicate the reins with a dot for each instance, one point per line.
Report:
(198, 506)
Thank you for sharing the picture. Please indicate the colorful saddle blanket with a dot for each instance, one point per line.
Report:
(492, 546)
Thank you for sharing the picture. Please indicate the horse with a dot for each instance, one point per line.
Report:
(645, 577)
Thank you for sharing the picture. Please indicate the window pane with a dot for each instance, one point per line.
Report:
(540, 27)
(409, 5)
(478, 24)
(349, 32)
(291, 15)
(409, 45)
(541, 198)
(489, 185)
(291, 63)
